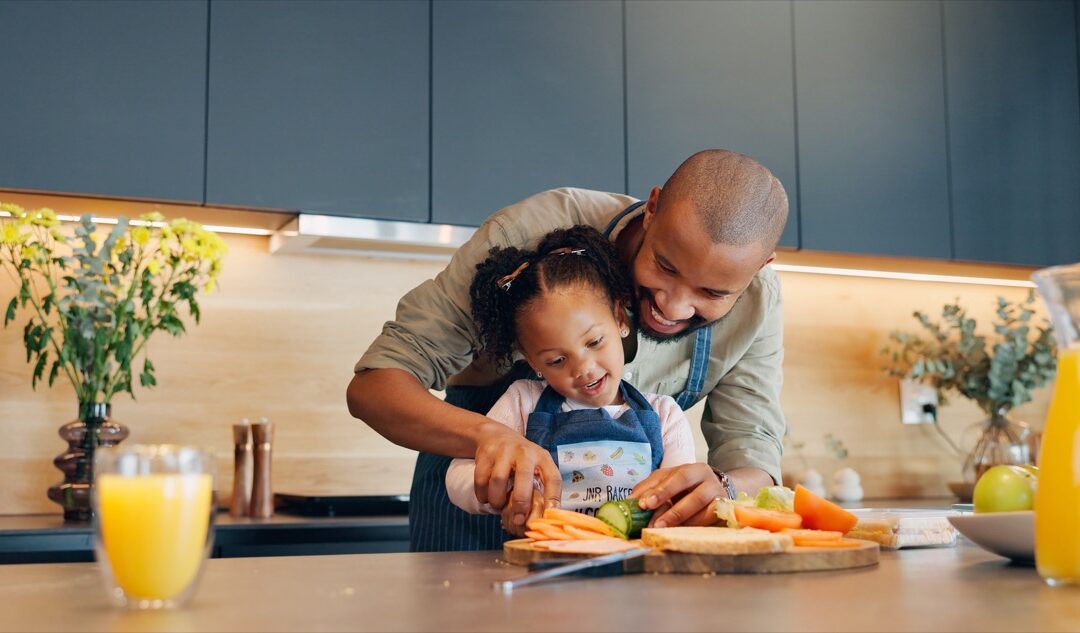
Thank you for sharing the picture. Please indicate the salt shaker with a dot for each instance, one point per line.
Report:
(241, 492)
(262, 495)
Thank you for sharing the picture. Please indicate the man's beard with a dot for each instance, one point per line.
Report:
(695, 323)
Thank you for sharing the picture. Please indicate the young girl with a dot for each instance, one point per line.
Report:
(563, 308)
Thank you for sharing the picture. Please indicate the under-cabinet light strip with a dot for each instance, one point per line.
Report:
(235, 230)
(886, 274)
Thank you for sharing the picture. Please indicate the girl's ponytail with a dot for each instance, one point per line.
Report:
(500, 282)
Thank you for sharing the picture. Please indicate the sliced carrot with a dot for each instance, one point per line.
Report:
(822, 514)
(578, 519)
(536, 536)
(584, 535)
(771, 520)
(815, 535)
(552, 532)
(538, 520)
(840, 543)
(543, 520)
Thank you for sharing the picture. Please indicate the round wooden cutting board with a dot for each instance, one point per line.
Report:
(794, 560)
(520, 552)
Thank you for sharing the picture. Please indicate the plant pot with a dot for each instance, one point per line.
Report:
(94, 427)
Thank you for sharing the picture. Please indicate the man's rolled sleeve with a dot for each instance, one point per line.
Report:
(432, 335)
(743, 422)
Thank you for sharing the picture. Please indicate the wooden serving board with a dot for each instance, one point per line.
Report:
(520, 552)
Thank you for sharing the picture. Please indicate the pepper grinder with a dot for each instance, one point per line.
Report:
(262, 495)
(241, 492)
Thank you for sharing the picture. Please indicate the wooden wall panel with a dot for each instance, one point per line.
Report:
(280, 337)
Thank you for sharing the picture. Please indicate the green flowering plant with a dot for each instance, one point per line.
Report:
(996, 374)
(94, 298)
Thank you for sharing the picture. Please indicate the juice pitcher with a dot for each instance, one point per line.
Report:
(1057, 499)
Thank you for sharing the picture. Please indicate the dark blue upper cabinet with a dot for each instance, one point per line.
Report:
(103, 98)
(871, 126)
(1014, 129)
(526, 96)
(320, 106)
(710, 74)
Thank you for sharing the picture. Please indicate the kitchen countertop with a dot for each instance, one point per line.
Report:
(46, 538)
(961, 588)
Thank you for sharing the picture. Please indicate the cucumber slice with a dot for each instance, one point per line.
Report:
(624, 517)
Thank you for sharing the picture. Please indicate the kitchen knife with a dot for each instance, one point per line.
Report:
(508, 586)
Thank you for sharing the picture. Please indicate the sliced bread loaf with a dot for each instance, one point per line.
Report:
(716, 540)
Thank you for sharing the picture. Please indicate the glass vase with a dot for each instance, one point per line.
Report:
(93, 428)
(999, 439)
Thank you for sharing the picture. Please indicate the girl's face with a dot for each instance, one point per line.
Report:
(573, 338)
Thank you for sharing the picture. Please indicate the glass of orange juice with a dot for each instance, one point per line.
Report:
(153, 522)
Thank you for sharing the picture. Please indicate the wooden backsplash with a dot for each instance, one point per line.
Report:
(280, 336)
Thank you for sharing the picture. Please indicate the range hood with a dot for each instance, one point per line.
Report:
(312, 233)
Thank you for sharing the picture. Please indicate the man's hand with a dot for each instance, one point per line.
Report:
(502, 454)
(536, 510)
(691, 490)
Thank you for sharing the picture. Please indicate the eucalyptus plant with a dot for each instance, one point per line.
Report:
(94, 298)
(997, 372)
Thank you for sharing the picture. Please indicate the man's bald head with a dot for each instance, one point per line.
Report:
(739, 201)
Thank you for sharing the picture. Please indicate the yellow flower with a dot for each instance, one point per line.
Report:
(10, 234)
(210, 286)
(153, 216)
(140, 235)
(44, 217)
(12, 208)
(154, 266)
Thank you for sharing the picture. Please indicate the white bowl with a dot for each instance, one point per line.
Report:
(1008, 534)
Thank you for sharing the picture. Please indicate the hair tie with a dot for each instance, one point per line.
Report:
(505, 281)
(566, 250)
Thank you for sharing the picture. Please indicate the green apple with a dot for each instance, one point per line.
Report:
(1005, 488)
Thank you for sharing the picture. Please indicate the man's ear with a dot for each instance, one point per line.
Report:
(769, 259)
(650, 207)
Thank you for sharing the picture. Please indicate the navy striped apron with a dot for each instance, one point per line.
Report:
(436, 524)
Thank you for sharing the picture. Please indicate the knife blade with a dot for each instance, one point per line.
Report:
(508, 586)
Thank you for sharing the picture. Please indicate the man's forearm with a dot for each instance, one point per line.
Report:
(399, 408)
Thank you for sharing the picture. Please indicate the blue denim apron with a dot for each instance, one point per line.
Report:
(600, 457)
(436, 524)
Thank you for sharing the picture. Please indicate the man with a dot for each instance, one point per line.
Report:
(709, 325)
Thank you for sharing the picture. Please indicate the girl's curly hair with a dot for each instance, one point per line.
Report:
(584, 258)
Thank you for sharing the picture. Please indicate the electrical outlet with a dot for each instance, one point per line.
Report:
(913, 397)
